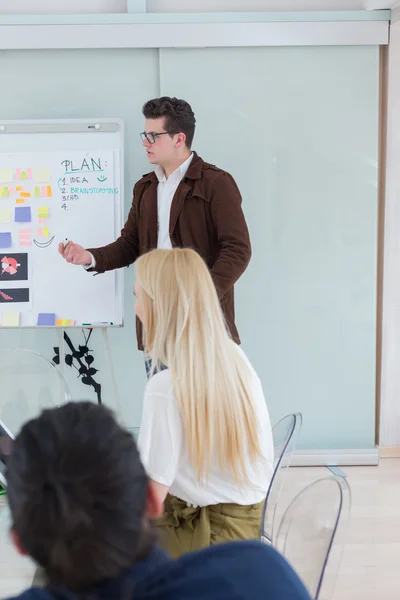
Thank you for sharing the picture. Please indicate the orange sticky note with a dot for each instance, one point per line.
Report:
(19, 188)
(20, 201)
(59, 322)
(48, 191)
(25, 194)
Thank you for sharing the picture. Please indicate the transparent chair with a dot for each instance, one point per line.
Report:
(312, 533)
(285, 435)
(29, 383)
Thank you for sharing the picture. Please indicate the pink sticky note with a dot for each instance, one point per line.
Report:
(17, 173)
(29, 173)
(72, 323)
(39, 232)
(25, 243)
(27, 230)
(12, 191)
(41, 220)
(44, 192)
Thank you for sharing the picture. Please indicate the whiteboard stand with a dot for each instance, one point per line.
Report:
(107, 347)
(61, 346)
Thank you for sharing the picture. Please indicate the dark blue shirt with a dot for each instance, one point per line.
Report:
(235, 571)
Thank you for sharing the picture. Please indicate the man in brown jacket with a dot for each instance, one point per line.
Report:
(185, 202)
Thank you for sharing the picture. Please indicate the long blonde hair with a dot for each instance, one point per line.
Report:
(184, 329)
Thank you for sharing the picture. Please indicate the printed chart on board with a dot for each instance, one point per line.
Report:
(46, 198)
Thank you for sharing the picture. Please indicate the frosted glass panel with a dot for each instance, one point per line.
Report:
(79, 84)
(298, 129)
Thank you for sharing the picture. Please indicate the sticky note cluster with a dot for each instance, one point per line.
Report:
(65, 323)
(25, 237)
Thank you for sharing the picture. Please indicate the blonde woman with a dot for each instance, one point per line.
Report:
(205, 438)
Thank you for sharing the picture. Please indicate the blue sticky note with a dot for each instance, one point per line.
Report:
(23, 214)
(47, 319)
(5, 240)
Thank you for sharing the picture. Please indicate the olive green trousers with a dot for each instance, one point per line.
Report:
(185, 528)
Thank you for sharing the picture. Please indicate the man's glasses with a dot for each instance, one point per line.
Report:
(152, 137)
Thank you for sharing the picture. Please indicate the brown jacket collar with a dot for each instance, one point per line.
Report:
(194, 171)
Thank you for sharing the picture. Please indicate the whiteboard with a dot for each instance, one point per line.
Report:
(59, 180)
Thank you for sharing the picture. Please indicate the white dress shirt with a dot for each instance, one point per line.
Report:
(165, 194)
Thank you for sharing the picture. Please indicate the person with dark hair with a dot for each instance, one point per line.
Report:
(80, 505)
(185, 202)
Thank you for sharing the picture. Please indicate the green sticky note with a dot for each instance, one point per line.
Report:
(37, 191)
(5, 191)
(23, 175)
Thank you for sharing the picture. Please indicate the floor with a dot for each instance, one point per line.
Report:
(370, 567)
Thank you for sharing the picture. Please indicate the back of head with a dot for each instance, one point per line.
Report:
(184, 328)
(179, 116)
(181, 303)
(77, 493)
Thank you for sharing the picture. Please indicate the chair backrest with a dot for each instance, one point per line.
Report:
(285, 435)
(312, 533)
(29, 383)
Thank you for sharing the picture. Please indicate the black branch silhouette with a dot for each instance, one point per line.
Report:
(84, 361)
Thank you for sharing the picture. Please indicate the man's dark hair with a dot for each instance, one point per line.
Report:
(77, 493)
(178, 114)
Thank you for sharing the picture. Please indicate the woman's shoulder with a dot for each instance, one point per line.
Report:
(244, 356)
(159, 384)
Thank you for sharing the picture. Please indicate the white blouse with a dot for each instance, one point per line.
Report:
(163, 449)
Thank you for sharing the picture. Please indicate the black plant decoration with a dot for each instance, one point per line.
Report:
(84, 362)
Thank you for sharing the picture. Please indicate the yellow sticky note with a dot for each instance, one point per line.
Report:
(5, 215)
(43, 212)
(6, 175)
(1, 192)
(46, 231)
(10, 319)
(41, 175)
